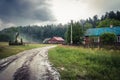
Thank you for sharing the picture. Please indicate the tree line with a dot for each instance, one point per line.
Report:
(109, 18)
(39, 33)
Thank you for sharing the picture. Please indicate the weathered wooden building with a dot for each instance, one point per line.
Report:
(93, 35)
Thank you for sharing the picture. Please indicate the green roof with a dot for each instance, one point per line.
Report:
(99, 31)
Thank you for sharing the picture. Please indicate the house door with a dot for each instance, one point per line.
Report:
(118, 39)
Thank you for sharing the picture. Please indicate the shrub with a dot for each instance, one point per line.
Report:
(108, 38)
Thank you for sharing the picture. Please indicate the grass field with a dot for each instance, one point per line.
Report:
(6, 50)
(76, 63)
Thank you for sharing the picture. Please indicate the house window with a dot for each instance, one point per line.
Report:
(96, 39)
(118, 39)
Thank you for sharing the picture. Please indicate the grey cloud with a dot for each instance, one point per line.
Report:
(104, 5)
(25, 11)
(5, 24)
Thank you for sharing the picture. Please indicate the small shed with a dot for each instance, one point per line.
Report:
(46, 40)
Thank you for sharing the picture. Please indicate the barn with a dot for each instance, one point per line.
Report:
(56, 40)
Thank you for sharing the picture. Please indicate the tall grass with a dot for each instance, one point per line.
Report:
(76, 63)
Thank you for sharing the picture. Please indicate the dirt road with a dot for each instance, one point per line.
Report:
(28, 65)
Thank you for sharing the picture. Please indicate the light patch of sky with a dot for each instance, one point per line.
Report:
(66, 10)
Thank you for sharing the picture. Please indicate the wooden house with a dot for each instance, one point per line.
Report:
(93, 34)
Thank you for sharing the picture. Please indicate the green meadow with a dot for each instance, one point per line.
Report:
(6, 50)
(77, 63)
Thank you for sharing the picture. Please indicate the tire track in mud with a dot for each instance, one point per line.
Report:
(42, 69)
(11, 68)
(23, 73)
(5, 62)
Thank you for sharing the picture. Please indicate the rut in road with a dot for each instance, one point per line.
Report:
(5, 62)
(29, 65)
(23, 73)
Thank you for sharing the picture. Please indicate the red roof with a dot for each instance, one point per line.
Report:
(58, 38)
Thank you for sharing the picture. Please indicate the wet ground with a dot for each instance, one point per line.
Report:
(28, 65)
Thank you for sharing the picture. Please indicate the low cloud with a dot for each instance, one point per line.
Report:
(23, 12)
(5, 24)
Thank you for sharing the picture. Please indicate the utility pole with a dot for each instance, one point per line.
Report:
(71, 32)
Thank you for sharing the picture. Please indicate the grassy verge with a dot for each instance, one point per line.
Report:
(76, 63)
(6, 50)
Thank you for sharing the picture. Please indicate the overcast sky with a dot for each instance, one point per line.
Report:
(41, 12)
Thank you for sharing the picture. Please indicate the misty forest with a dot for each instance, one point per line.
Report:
(34, 33)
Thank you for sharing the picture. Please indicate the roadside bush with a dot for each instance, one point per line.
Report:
(108, 38)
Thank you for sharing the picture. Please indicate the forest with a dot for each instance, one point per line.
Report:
(33, 33)
(36, 33)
